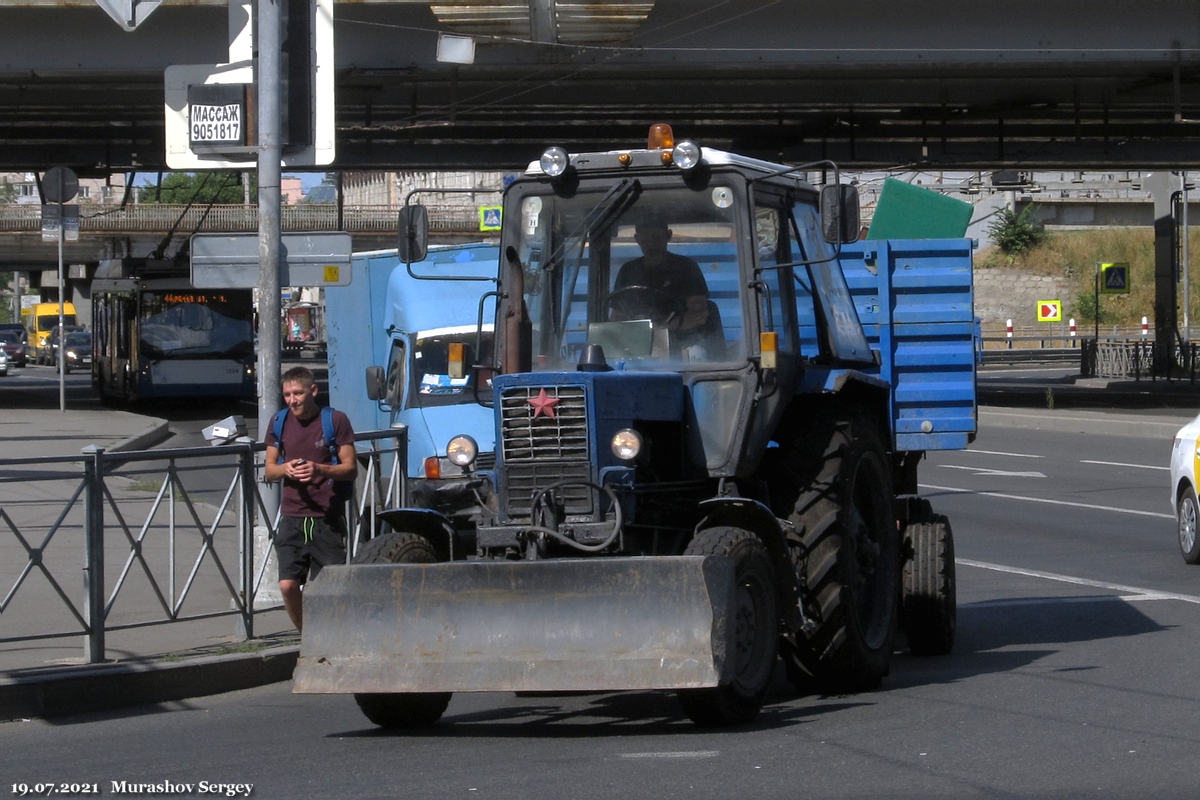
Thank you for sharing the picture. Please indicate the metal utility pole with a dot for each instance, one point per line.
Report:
(269, 226)
(1186, 258)
(59, 185)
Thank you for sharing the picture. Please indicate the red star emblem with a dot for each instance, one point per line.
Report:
(543, 404)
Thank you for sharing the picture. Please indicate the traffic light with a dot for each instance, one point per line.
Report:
(296, 73)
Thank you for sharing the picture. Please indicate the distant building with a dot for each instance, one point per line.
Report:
(24, 188)
(473, 188)
(292, 190)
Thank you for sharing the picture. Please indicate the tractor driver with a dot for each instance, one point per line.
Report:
(666, 287)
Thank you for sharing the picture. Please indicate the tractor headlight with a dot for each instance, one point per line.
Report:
(555, 161)
(462, 451)
(686, 155)
(626, 444)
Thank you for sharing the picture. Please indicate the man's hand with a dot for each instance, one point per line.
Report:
(300, 470)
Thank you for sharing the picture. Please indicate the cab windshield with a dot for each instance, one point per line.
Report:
(649, 274)
(429, 379)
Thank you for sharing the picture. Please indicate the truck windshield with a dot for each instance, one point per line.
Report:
(648, 273)
(433, 381)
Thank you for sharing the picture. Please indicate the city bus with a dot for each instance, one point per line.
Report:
(156, 336)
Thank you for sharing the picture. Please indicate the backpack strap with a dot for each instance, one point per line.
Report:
(327, 432)
(277, 429)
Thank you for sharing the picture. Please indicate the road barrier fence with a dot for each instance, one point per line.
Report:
(106, 542)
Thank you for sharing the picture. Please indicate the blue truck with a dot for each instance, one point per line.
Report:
(686, 478)
(401, 319)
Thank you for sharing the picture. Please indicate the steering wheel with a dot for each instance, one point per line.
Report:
(644, 302)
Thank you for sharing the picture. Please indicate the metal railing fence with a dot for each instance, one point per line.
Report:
(1136, 358)
(163, 536)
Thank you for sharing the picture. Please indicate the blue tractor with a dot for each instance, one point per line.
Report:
(705, 451)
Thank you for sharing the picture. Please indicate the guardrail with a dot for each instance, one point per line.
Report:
(1112, 356)
(164, 536)
(1136, 358)
(150, 217)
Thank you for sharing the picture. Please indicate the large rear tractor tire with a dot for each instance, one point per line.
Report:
(400, 710)
(756, 631)
(930, 608)
(834, 484)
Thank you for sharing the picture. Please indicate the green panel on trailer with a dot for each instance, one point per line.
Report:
(905, 211)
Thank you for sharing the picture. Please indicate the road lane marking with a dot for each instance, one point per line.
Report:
(996, 473)
(1091, 506)
(1138, 592)
(999, 453)
(1120, 464)
(675, 754)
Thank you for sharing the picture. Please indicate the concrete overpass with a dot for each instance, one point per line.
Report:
(940, 83)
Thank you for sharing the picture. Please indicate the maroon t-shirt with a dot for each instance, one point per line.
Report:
(306, 439)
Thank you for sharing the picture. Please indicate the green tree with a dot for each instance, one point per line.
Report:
(1084, 309)
(181, 188)
(8, 193)
(1016, 233)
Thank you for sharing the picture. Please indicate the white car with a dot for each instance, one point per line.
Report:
(3, 363)
(1185, 473)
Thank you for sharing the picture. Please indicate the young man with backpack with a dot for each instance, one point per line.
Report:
(311, 449)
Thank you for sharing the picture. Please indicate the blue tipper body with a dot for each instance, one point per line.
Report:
(916, 303)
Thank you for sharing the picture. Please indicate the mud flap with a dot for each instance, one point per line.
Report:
(554, 625)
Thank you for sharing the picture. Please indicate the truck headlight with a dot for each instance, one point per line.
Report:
(626, 444)
(462, 451)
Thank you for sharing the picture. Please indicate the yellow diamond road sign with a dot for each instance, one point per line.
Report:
(1049, 311)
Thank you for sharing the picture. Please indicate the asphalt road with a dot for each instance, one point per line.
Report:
(1074, 676)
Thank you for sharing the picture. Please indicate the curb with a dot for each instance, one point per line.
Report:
(107, 687)
(140, 441)
(1095, 422)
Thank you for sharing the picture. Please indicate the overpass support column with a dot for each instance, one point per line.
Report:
(1165, 315)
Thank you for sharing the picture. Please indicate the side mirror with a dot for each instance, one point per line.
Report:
(840, 221)
(413, 244)
(376, 384)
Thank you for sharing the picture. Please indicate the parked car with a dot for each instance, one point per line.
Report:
(1185, 471)
(14, 348)
(51, 357)
(78, 349)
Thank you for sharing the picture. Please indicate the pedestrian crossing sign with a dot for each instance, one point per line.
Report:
(489, 218)
(1049, 311)
(1114, 278)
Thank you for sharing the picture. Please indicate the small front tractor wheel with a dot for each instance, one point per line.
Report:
(756, 631)
(400, 710)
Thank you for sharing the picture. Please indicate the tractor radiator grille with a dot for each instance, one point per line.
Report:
(560, 432)
(545, 447)
(524, 480)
